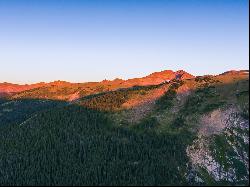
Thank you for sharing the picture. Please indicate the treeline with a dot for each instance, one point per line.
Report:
(113, 100)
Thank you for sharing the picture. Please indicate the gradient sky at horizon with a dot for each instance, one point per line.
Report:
(92, 40)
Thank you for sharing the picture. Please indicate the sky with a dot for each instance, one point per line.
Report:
(92, 40)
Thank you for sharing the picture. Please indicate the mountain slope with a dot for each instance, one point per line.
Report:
(77, 146)
(191, 131)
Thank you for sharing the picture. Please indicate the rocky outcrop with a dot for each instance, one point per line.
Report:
(205, 153)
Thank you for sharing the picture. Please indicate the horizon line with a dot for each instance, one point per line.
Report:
(72, 82)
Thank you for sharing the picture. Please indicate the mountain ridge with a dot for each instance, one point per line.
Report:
(159, 73)
(10, 89)
(67, 91)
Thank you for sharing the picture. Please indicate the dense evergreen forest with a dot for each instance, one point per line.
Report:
(19, 110)
(75, 146)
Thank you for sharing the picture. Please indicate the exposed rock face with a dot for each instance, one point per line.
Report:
(183, 75)
(159, 77)
(233, 128)
(214, 122)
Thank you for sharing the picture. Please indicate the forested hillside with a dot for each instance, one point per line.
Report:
(191, 131)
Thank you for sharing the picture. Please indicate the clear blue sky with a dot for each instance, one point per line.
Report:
(90, 40)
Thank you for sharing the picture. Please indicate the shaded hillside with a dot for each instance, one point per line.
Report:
(18, 111)
(77, 146)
